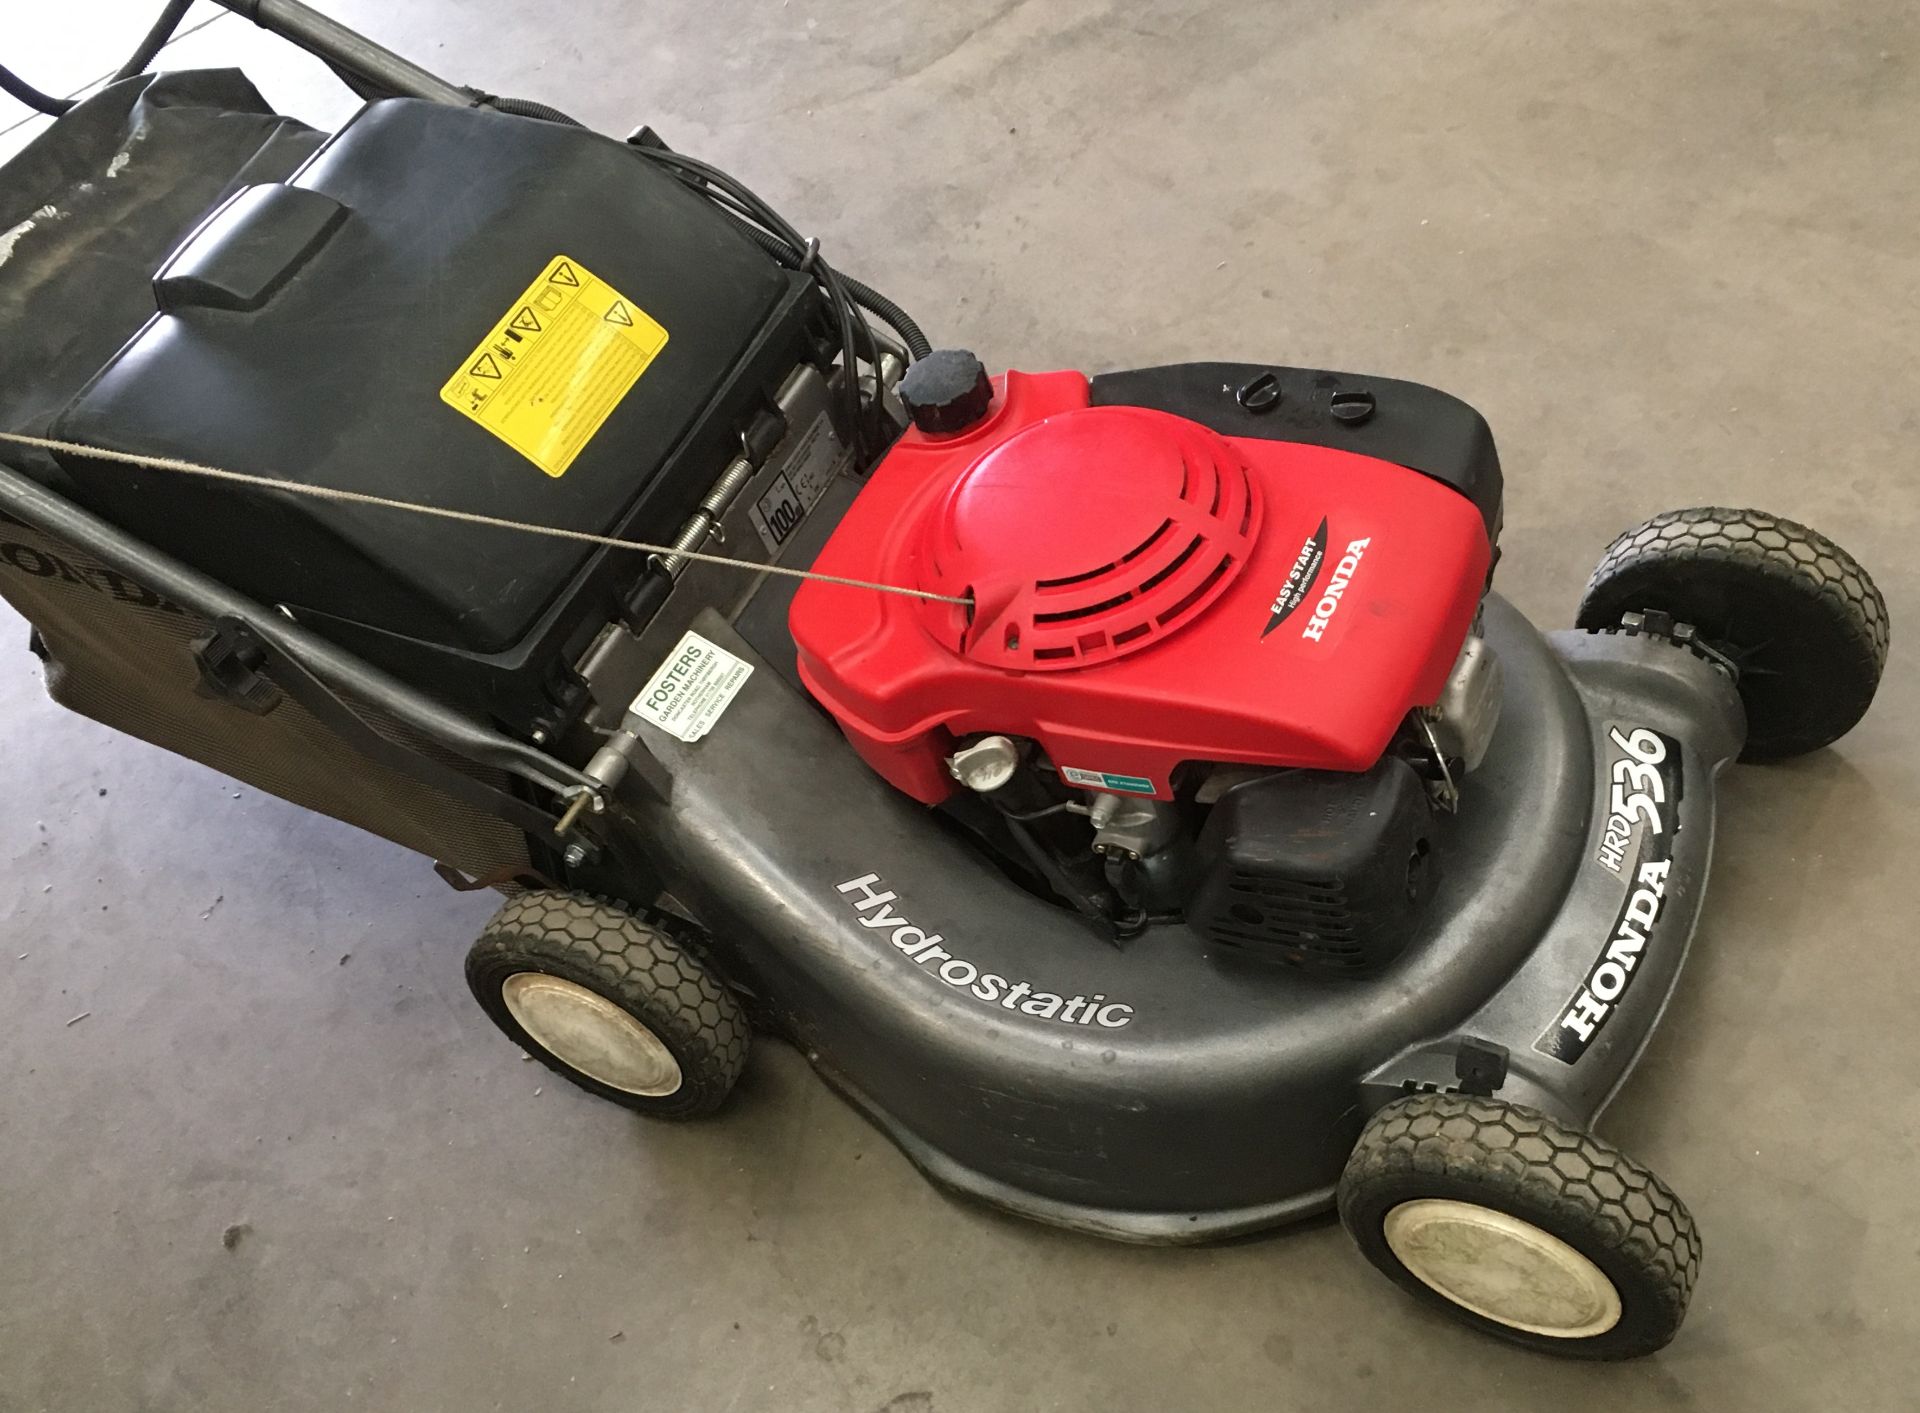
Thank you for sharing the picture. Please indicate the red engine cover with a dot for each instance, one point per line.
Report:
(1145, 592)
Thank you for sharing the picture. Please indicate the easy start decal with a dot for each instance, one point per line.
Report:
(874, 903)
(1305, 574)
(1306, 569)
(1642, 804)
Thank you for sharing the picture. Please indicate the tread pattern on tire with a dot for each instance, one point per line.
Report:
(641, 953)
(1767, 543)
(1527, 1155)
(1647, 568)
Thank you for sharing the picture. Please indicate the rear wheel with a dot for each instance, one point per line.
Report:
(1794, 613)
(1521, 1226)
(617, 1004)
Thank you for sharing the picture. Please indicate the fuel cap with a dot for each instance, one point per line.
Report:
(946, 392)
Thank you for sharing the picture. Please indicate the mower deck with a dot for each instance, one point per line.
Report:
(1154, 1092)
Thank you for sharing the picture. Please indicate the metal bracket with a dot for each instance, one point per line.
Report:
(1445, 790)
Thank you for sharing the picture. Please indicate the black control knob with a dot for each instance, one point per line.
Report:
(946, 392)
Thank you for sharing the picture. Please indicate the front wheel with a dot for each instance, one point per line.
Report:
(1797, 617)
(617, 1004)
(1521, 1226)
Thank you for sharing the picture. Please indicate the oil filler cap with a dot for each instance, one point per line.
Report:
(946, 392)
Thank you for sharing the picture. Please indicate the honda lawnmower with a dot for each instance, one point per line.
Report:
(1126, 790)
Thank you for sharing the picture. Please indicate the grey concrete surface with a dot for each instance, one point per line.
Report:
(1669, 250)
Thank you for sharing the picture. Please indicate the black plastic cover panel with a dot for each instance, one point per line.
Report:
(334, 377)
(1319, 870)
(1409, 424)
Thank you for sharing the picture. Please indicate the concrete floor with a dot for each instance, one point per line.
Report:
(1668, 250)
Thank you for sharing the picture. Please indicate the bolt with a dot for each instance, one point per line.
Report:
(1353, 408)
(1259, 394)
(576, 855)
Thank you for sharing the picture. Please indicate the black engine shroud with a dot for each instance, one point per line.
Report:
(1316, 870)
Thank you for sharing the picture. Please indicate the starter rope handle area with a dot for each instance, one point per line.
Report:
(464, 517)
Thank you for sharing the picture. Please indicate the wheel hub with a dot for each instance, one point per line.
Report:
(589, 1033)
(1502, 1268)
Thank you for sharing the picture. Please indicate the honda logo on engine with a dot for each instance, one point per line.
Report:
(1343, 573)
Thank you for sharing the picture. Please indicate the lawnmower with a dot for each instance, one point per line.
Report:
(1127, 791)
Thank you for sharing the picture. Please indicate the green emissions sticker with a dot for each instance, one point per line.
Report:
(1106, 780)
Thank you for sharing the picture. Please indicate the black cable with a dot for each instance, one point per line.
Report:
(863, 294)
(892, 315)
(31, 96)
(700, 175)
(524, 108)
(788, 244)
(156, 39)
(846, 297)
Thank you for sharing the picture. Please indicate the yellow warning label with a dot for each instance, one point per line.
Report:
(556, 365)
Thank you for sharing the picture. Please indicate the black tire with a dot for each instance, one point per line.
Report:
(639, 966)
(1436, 1149)
(1795, 613)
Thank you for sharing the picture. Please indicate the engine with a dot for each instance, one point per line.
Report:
(1205, 654)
